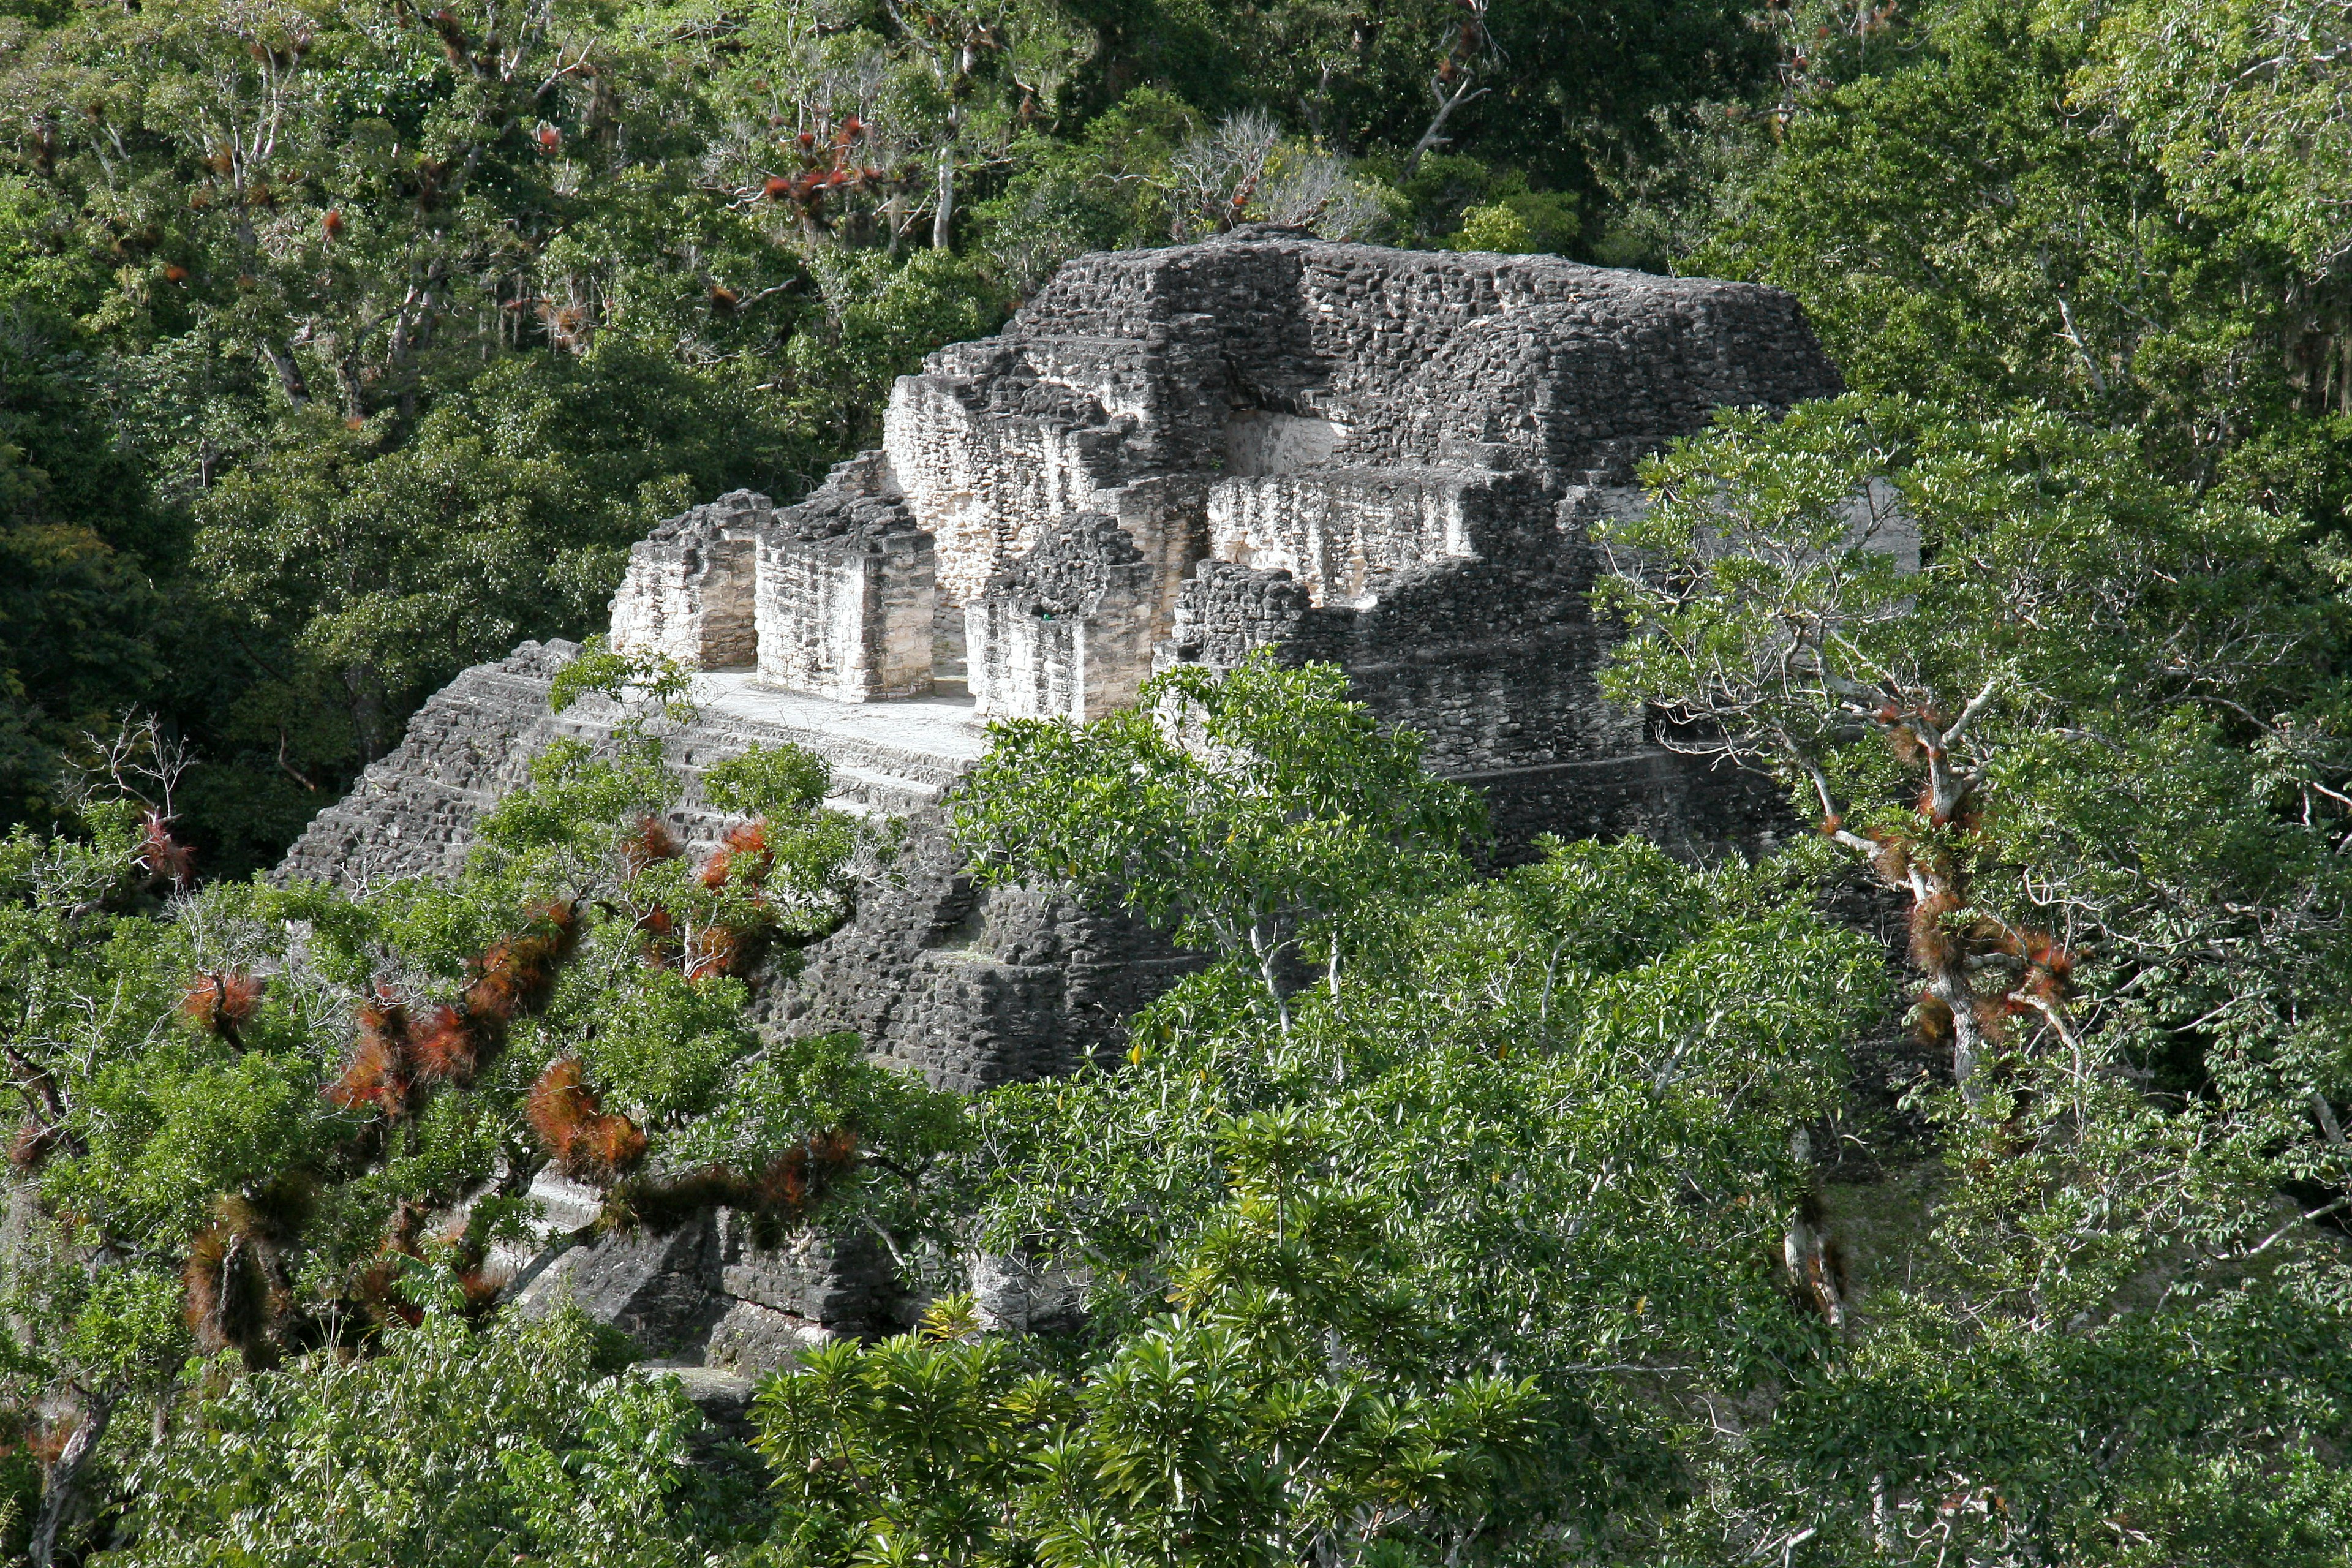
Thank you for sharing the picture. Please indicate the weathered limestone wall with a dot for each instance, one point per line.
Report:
(688, 589)
(1066, 631)
(991, 455)
(413, 813)
(846, 588)
(1346, 412)
(1338, 531)
(970, 986)
(1496, 664)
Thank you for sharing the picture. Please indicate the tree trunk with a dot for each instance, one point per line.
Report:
(367, 712)
(65, 1478)
(943, 218)
(1435, 136)
(289, 374)
(1269, 953)
(1943, 959)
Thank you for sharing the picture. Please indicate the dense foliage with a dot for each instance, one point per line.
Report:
(1961, 1179)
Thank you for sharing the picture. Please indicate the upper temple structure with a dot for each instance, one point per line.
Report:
(1385, 458)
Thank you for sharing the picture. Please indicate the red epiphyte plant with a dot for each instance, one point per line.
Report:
(221, 1002)
(659, 929)
(516, 975)
(1893, 860)
(162, 856)
(716, 949)
(774, 1196)
(380, 1073)
(1933, 948)
(235, 1276)
(447, 1048)
(450, 1044)
(2049, 968)
(31, 1145)
(742, 855)
(651, 839)
(560, 1105)
(607, 1146)
(783, 1187)
(588, 1141)
(1933, 1020)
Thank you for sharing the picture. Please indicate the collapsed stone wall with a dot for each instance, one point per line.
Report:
(1343, 412)
(985, 986)
(413, 812)
(970, 986)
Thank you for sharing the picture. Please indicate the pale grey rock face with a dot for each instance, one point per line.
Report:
(1065, 631)
(846, 598)
(1347, 414)
(1389, 461)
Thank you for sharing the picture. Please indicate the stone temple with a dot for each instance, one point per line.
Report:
(1386, 459)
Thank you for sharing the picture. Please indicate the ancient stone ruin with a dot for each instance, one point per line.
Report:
(1387, 459)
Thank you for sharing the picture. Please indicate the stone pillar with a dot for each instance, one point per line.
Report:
(845, 599)
(687, 592)
(1066, 631)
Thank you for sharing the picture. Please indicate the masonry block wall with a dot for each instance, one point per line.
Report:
(846, 587)
(687, 592)
(1066, 631)
(1353, 415)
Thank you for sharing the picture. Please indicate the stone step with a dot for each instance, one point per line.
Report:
(876, 791)
(930, 740)
(416, 810)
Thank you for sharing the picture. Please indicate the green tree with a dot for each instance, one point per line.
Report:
(1964, 223)
(1251, 812)
(1223, 1432)
(2092, 744)
(1547, 1137)
(260, 1122)
(390, 1459)
(1773, 620)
